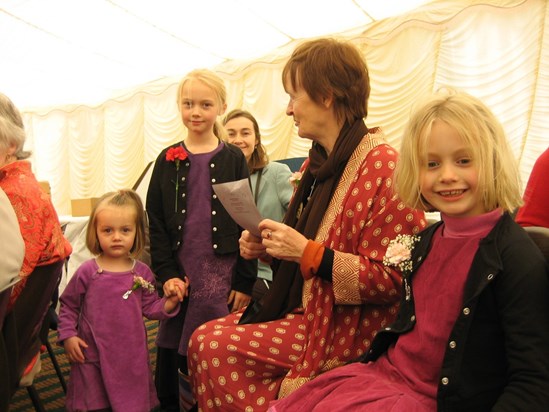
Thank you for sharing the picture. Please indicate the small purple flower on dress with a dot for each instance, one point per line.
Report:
(399, 252)
(139, 282)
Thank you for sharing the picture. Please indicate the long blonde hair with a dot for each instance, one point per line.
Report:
(480, 130)
(214, 82)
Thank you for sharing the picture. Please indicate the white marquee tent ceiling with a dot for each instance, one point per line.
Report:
(57, 52)
(96, 79)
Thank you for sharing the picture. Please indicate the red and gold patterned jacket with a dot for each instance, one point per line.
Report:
(342, 317)
(38, 221)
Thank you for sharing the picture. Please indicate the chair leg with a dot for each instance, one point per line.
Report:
(56, 366)
(50, 323)
(37, 403)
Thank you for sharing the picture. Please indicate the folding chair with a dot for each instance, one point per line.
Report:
(24, 324)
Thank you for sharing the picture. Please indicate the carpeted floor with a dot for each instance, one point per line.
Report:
(47, 383)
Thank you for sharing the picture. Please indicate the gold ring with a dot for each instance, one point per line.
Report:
(269, 235)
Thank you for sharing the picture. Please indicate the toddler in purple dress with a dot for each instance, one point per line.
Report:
(102, 308)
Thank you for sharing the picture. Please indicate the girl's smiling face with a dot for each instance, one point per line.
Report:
(199, 107)
(449, 175)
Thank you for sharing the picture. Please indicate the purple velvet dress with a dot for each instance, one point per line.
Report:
(209, 274)
(117, 372)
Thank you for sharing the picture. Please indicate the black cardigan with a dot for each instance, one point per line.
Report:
(497, 355)
(166, 225)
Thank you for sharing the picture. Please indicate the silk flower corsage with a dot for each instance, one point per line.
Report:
(399, 252)
(139, 282)
(295, 178)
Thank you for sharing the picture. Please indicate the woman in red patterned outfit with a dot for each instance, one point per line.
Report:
(331, 291)
(38, 221)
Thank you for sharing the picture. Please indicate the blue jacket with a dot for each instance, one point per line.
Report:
(275, 192)
(497, 355)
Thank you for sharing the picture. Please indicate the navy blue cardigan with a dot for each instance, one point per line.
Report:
(166, 225)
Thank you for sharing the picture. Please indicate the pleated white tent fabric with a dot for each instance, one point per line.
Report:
(495, 50)
(58, 52)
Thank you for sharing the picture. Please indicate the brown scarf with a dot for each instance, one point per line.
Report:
(322, 175)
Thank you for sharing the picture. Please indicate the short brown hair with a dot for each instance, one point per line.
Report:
(331, 68)
(124, 197)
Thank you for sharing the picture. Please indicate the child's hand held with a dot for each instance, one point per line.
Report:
(176, 287)
(181, 288)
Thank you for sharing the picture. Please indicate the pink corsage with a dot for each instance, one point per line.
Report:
(295, 178)
(139, 282)
(399, 252)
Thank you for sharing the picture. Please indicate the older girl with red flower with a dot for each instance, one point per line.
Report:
(191, 234)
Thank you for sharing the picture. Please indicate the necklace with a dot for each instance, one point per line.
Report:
(304, 202)
(311, 192)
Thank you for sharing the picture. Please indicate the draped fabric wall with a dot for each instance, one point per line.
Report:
(495, 50)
